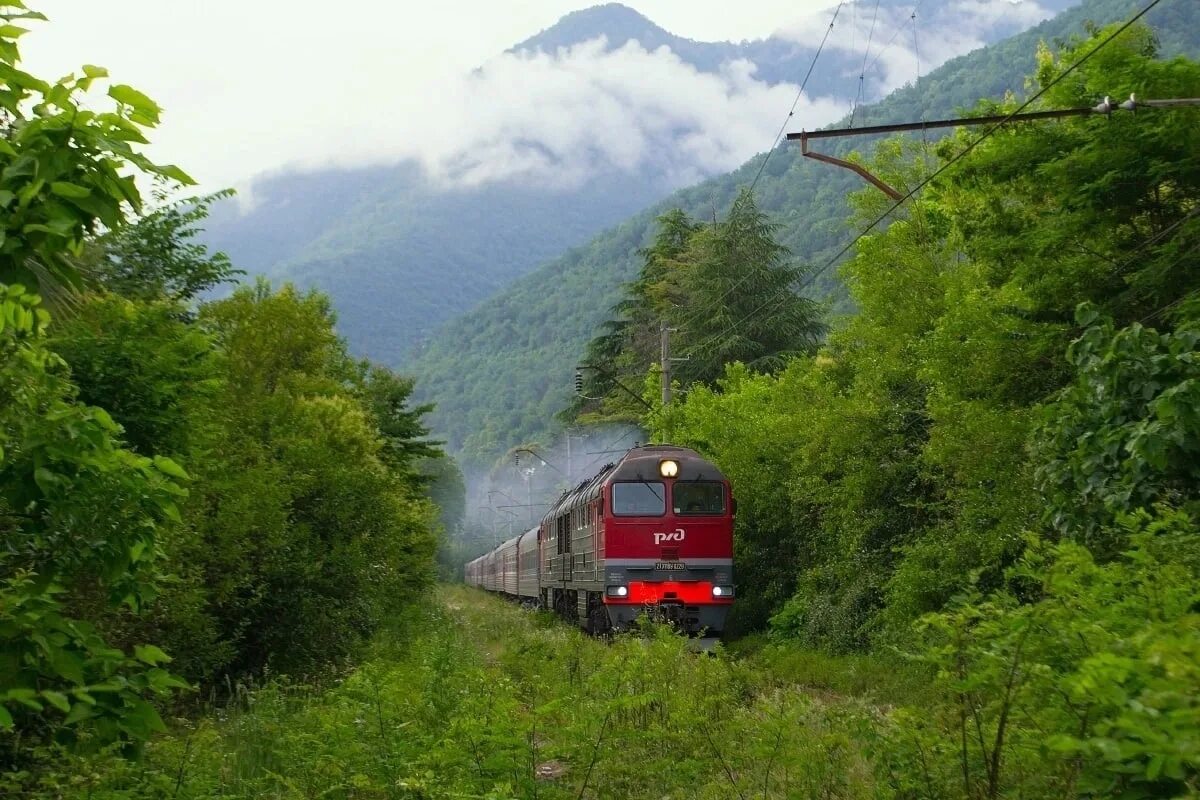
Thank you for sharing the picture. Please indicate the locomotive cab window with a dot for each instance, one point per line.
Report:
(639, 499)
(701, 498)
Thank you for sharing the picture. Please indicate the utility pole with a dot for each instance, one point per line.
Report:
(665, 371)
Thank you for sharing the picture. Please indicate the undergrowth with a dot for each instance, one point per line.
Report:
(1069, 696)
(487, 700)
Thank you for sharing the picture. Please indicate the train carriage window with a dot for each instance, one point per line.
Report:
(639, 499)
(563, 527)
(700, 498)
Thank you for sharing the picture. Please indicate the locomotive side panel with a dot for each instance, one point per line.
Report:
(527, 565)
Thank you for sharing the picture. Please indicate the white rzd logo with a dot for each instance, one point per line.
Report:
(673, 536)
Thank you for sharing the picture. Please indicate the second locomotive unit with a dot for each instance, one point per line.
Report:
(651, 534)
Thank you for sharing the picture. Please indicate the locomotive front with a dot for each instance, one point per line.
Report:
(668, 540)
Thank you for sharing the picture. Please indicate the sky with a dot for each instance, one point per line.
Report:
(254, 86)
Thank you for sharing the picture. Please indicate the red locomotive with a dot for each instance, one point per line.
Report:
(652, 533)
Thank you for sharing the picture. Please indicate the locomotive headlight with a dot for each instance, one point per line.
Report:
(722, 591)
(668, 468)
(618, 591)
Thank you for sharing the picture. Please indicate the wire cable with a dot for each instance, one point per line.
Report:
(866, 68)
(799, 94)
(951, 162)
(862, 75)
(803, 84)
(899, 29)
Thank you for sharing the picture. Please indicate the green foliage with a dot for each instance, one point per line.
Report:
(726, 291)
(146, 365)
(892, 471)
(1090, 690)
(78, 513)
(158, 258)
(1126, 432)
(485, 700)
(303, 524)
(63, 165)
(310, 531)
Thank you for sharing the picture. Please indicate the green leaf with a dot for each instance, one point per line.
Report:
(92, 71)
(131, 97)
(169, 467)
(58, 700)
(64, 189)
(149, 654)
(45, 479)
(67, 665)
(104, 418)
(142, 719)
(6, 720)
(176, 174)
(79, 713)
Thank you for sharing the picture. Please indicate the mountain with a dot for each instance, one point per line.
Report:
(571, 131)
(785, 56)
(499, 373)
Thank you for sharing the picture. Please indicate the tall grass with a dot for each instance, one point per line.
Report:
(477, 698)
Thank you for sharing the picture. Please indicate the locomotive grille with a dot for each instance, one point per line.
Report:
(670, 554)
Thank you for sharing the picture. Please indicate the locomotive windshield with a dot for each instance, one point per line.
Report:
(702, 498)
(640, 499)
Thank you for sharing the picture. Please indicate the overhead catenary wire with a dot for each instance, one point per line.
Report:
(912, 14)
(803, 85)
(782, 295)
(775, 142)
(899, 29)
(860, 97)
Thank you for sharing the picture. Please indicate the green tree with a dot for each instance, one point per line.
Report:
(1125, 433)
(308, 535)
(897, 470)
(157, 258)
(740, 300)
(82, 518)
(726, 290)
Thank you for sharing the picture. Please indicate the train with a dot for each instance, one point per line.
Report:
(651, 534)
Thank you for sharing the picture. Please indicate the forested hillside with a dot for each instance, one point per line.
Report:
(401, 250)
(500, 373)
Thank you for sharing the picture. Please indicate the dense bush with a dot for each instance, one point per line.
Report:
(1092, 690)
(300, 523)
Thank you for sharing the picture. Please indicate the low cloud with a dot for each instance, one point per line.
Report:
(561, 118)
(558, 119)
(895, 49)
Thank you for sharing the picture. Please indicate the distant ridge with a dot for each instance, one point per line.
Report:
(401, 255)
(617, 22)
(499, 373)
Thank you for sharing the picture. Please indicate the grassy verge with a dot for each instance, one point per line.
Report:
(881, 679)
(477, 698)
